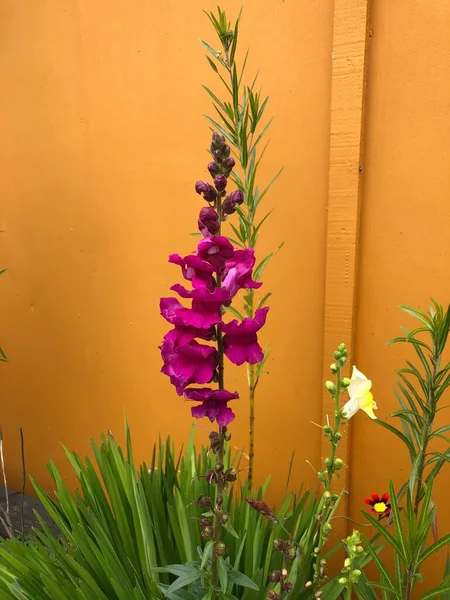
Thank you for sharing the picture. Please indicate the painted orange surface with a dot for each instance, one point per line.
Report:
(405, 228)
(102, 141)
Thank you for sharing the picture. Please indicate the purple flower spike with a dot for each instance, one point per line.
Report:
(205, 188)
(238, 272)
(214, 404)
(208, 221)
(216, 250)
(188, 363)
(174, 312)
(240, 342)
(197, 271)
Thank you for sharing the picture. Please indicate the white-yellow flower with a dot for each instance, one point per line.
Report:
(360, 396)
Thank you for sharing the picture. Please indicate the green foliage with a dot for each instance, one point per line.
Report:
(420, 391)
(240, 119)
(121, 527)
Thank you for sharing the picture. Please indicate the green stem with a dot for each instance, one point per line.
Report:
(428, 426)
(327, 509)
(251, 452)
(221, 452)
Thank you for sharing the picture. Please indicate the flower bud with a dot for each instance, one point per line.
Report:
(224, 518)
(209, 193)
(220, 181)
(337, 355)
(204, 502)
(220, 549)
(219, 500)
(217, 141)
(208, 221)
(272, 595)
(334, 368)
(211, 477)
(345, 382)
(287, 587)
(228, 164)
(338, 462)
(230, 202)
(230, 475)
(343, 580)
(348, 562)
(213, 168)
(290, 553)
(204, 522)
(207, 532)
(275, 576)
(330, 387)
(327, 528)
(226, 150)
(278, 544)
(356, 573)
(308, 584)
(342, 360)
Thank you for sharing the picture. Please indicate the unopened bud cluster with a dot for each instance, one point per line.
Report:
(279, 577)
(220, 204)
(350, 571)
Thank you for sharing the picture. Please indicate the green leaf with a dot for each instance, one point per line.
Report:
(242, 580)
(183, 581)
(415, 471)
(212, 64)
(228, 527)
(264, 300)
(235, 312)
(443, 541)
(222, 573)
(444, 588)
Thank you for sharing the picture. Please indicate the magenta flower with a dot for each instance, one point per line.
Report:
(185, 334)
(174, 312)
(188, 363)
(238, 272)
(194, 269)
(240, 342)
(213, 404)
(204, 301)
(216, 250)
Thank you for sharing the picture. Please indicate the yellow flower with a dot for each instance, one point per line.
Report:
(360, 396)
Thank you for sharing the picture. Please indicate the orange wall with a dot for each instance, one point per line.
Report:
(405, 228)
(102, 141)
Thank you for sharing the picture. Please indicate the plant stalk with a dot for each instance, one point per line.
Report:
(428, 426)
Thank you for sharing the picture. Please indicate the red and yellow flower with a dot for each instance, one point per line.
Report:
(380, 505)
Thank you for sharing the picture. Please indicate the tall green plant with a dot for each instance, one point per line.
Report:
(240, 118)
(421, 388)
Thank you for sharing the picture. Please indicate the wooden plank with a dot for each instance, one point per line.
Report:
(349, 69)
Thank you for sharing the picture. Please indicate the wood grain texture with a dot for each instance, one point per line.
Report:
(349, 67)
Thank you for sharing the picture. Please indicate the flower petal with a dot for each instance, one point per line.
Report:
(350, 408)
(367, 404)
